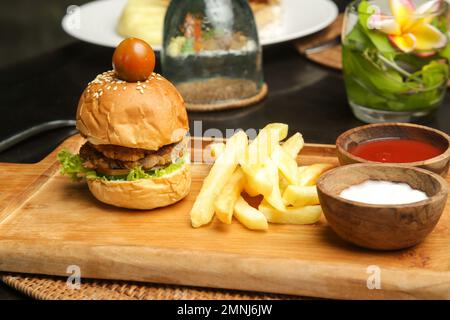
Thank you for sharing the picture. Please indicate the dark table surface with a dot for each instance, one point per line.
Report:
(310, 98)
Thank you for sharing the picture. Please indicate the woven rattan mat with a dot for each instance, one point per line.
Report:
(55, 288)
(229, 89)
(332, 56)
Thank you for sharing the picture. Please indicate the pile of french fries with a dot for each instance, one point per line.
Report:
(266, 167)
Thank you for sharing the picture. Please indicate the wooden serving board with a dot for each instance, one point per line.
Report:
(48, 223)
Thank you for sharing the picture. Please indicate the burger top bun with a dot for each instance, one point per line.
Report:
(144, 115)
(143, 194)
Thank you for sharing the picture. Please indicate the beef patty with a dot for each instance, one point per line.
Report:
(104, 158)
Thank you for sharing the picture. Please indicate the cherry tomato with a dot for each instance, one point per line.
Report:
(133, 60)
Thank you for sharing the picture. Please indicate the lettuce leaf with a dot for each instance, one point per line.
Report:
(379, 40)
(139, 173)
(72, 165)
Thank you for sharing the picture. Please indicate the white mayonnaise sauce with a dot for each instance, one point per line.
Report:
(383, 192)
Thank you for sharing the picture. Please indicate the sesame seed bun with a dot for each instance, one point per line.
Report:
(144, 194)
(145, 115)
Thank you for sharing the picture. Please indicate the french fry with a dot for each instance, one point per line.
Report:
(309, 176)
(283, 184)
(300, 196)
(202, 211)
(292, 215)
(274, 198)
(257, 181)
(224, 204)
(257, 154)
(261, 148)
(249, 189)
(301, 169)
(263, 178)
(249, 216)
(263, 167)
(280, 128)
(286, 164)
(217, 149)
(294, 145)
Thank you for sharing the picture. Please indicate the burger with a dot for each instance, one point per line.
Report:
(136, 151)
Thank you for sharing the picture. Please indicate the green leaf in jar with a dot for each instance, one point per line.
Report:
(379, 40)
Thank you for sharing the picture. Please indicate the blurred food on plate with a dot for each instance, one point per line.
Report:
(144, 19)
(268, 16)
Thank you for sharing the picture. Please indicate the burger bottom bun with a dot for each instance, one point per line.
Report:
(144, 194)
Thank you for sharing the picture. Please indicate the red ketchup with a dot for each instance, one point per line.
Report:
(396, 150)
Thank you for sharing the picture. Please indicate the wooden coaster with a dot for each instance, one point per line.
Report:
(198, 94)
(332, 56)
(55, 288)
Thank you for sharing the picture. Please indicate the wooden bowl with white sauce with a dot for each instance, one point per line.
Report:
(382, 226)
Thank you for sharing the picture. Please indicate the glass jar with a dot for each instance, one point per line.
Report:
(395, 58)
(211, 51)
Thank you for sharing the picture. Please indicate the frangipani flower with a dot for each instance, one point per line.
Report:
(409, 28)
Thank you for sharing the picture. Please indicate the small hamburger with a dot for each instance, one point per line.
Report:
(135, 123)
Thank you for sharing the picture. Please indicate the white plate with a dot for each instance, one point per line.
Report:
(96, 21)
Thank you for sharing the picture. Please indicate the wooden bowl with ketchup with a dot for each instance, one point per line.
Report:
(401, 144)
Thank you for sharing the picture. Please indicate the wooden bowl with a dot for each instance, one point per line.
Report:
(356, 136)
(382, 227)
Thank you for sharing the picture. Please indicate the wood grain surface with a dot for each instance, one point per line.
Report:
(48, 222)
(330, 57)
